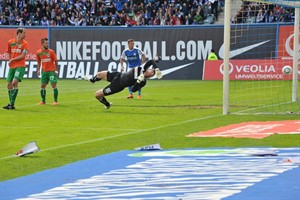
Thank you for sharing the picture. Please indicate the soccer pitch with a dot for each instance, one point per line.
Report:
(80, 128)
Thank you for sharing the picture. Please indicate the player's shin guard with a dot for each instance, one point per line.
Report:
(14, 94)
(43, 95)
(55, 93)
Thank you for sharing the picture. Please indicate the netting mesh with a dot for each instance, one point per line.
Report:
(261, 87)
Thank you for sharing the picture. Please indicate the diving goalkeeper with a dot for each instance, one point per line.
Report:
(136, 78)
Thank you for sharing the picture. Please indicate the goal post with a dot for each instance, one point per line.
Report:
(261, 95)
(296, 55)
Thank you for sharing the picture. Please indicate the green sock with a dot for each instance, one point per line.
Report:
(14, 94)
(9, 95)
(55, 92)
(43, 95)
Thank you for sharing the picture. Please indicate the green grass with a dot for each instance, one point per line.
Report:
(80, 128)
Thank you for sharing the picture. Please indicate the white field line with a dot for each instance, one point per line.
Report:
(123, 134)
(257, 108)
(115, 136)
(83, 128)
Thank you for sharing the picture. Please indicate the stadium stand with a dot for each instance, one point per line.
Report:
(253, 12)
(134, 12)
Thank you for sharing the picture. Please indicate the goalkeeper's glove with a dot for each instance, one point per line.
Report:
(158, 73)
(140, 78)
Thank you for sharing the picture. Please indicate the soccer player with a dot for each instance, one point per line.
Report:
(17, 49)
(135, 77)
(135, 57)
(46, 58)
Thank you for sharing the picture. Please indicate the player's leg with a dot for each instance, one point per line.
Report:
(9, 80)
(18, 76)
(44, 83)
(100, 96)
(130, 96)
(99, 76)
(139, 93)
(53, 82)
(43, 94)
(112, 88)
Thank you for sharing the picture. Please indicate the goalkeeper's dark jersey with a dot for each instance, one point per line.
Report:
(129, 78)
(119, 81)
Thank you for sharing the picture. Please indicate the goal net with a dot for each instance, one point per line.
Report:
(260, 39)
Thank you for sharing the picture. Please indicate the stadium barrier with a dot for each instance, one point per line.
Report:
(85, 50)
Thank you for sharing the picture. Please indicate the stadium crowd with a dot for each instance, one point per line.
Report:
(131, 12)
(106, 12)
(252, 12)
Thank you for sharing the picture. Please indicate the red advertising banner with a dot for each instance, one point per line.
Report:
(33, 36)
(248, 70)
(252, 129)
(286, 42)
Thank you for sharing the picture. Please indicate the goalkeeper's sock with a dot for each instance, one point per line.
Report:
(104, 101)
(43, 95)
(139, 92)
(94, 79)
(14, 94)
(55, 93)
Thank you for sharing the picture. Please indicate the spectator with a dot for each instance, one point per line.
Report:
(19, 21)
(30, 23)
(38, 14)
(214, 8)
(161, 12)
(12, 19)
(45, 21)
(163, 21)
(25, 14)
(122, 18)
(76, 22)
(277, 12)
(186, 20)
(53, 23)
(90, 22)
(260, 16)
(3, 20)
(270, 17)
(198, 18)
(6, 13)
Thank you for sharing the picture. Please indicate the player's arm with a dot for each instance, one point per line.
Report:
(122, 59)
(54, 58)
(148, 64)
(155, 66)
(143, 57)
(56, 67)
(138, 85)
(22, 56)
(38, 59)
(122, 63)
(8, 50)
